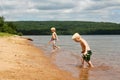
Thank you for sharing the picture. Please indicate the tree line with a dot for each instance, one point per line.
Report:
(63, 27)
(67, 27)
(7, 27)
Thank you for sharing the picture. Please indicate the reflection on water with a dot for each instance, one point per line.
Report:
(105, 55)
(84, 74)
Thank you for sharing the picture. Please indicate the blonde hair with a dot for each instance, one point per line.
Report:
(76, 35)
(53, 28)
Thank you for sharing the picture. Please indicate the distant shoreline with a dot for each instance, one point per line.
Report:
(67, 27)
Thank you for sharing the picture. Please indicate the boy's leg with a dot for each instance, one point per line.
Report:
(53, 44)
(90, 64)
(57, 47)
(83, 63)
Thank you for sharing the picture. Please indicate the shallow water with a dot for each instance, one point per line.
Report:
(106, 56)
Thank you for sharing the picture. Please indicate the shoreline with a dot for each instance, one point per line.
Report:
(22, 60)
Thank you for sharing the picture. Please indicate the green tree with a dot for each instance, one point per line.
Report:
(7, 27)
(1, 23)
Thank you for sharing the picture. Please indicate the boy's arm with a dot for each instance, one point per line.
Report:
(51, 39)
(84, 48)
(55, 36)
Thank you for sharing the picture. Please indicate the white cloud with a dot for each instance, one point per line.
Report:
(87, 10)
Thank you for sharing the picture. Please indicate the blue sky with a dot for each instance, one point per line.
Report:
(61, 10)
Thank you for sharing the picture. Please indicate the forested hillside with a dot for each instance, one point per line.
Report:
(66, 27)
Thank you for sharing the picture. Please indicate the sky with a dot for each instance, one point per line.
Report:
(61, 10)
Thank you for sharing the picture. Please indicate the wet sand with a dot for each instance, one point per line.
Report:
(21, 60)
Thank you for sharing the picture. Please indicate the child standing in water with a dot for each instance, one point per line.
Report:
(86, 51)
(54, 38)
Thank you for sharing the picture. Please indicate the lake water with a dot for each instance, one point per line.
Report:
(106, 55)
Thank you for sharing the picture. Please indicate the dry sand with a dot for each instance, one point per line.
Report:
(21, 60)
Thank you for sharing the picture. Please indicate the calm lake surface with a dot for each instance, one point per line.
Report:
(105, 57)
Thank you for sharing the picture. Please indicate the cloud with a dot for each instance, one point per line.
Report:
(104, 4)
(55, 6)
(87, 10)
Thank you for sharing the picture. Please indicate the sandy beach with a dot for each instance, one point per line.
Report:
(21, 60)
